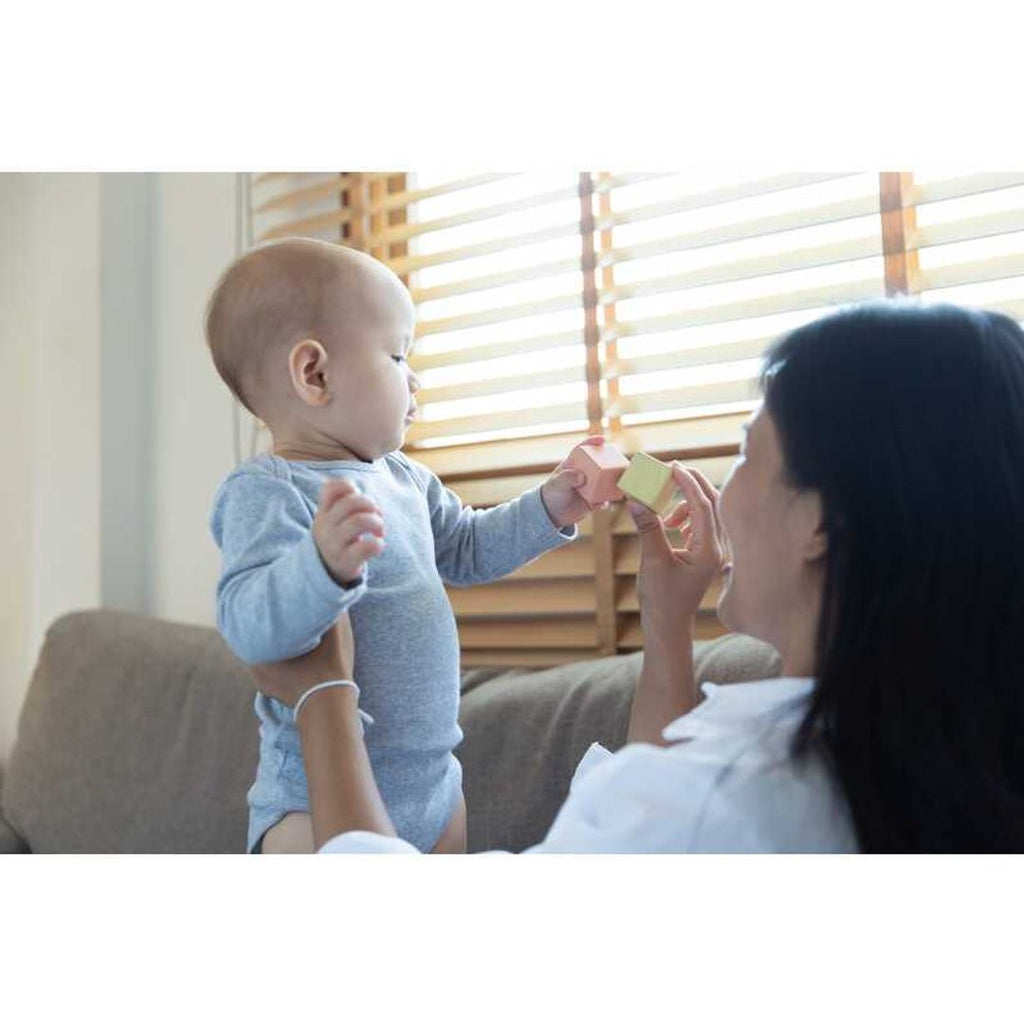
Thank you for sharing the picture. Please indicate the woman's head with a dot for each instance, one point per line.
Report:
(900, 433)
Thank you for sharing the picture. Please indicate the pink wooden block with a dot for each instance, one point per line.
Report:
(602, 465)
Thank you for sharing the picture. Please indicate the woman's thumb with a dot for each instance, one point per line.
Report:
(650, 528)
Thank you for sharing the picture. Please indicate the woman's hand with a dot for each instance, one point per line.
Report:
(286, 681)
(671, 584)
(672, 581)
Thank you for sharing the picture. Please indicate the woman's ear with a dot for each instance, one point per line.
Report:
(307, 367)
(810, 520)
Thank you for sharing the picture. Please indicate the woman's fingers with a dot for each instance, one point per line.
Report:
(702, 513)
(678, 515)
(710, 492)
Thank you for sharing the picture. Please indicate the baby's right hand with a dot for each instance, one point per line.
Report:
(348, 530)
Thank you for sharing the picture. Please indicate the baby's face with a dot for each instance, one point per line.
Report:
(371, 384)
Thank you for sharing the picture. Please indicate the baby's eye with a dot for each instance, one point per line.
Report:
(399, 359)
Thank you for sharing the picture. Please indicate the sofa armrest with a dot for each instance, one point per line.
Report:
(10, 841)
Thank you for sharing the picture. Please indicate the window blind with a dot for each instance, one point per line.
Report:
(637, 305)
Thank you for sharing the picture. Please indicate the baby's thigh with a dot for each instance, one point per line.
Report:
(292, 834)
(453, 839)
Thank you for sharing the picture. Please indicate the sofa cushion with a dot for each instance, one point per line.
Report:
(525, 732)
(137, 735)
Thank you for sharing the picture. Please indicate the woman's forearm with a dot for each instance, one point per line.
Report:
(343, 794)
(665, 690)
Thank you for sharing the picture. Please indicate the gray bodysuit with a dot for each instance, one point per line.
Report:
(275, 600)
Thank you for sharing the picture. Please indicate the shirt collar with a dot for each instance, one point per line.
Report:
(737, 702)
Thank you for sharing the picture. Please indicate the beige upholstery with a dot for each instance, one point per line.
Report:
(138, 735)
(526, 733)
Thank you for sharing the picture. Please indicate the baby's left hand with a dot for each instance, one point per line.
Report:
(563, 502)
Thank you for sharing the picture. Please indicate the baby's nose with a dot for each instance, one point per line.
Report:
(414, 382)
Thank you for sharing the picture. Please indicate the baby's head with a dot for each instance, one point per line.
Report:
(313, 338)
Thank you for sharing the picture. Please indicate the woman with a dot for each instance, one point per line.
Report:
(872, 525)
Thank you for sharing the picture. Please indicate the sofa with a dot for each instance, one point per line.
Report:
(138, 736)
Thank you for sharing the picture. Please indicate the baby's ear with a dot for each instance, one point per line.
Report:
(307, 366)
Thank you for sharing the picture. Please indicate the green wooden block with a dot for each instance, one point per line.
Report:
(649, 482)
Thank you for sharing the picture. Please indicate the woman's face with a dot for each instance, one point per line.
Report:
(776, 549)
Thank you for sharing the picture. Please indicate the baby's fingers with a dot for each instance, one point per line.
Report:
(362, 549)
(348, 506)
(356, 526)
(335, 490)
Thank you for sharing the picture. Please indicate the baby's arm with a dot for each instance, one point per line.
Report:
(479, 545)
(277, 595)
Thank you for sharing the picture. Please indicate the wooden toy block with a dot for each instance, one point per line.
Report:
(649, 482)
(602, 465)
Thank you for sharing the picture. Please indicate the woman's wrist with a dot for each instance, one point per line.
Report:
(668, 643)
(305, 696)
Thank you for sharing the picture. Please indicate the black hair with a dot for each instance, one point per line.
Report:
(908, 420)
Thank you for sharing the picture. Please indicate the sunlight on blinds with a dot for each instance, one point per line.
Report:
(971, 247)
(698, 295)
(500, 333)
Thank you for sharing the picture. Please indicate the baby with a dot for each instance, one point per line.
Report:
(314, 339)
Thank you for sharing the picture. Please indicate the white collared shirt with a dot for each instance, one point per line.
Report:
(727, 784)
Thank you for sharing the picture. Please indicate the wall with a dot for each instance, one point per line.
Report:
(193, 447)
(117, 429)
(50, 423)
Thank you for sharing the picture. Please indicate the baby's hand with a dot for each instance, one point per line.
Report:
(348, 530)
(563, 501)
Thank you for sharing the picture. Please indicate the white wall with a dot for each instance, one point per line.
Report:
(17, 371)
(50, 419)
(193, 447)
(117, 430)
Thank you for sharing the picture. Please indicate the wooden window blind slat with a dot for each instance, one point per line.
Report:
(501, 315)
(308, 225)
(497, 350)
(321, 190)
(844, 210)
(714, 197)
(803, 259)
(399, 200)
(501, 385)
(472, 423)
(977, 271)
(504, 243)
(965, 185)
(476, 215)
(491, 281)
(570, 633)
(811, 298)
